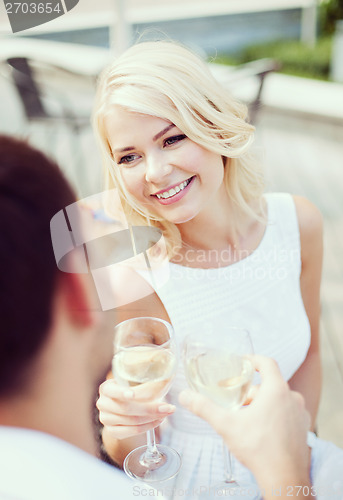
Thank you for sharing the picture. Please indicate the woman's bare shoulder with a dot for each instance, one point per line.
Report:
(309, 216)
(135, 296)
(310, 222)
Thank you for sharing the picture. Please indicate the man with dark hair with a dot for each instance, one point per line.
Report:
(55, 345)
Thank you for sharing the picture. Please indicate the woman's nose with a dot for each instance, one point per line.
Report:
(156, 169)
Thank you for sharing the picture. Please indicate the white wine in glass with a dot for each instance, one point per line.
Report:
(217, 365)
(224, 378)
(145, 363)
(145, 355)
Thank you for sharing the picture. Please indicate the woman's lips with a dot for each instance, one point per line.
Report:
(176, 197)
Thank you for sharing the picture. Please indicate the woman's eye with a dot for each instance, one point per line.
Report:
(127, 159)
(174, 139)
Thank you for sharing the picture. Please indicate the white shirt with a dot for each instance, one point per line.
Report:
(38, 466)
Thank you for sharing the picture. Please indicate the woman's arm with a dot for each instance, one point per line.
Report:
(125, 419)
(307, 379)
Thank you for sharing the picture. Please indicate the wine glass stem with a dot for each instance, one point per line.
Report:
(227, 465)
(151, 455)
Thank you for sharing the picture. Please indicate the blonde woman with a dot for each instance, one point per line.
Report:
(176, 146)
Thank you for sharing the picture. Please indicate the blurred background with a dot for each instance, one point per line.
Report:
(284, 58)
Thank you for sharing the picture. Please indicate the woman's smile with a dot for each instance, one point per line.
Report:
(174, 193)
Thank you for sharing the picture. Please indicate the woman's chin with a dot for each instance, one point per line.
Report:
(182, 219)
(180, 216)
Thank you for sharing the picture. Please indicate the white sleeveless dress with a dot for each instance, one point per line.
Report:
(262, 293)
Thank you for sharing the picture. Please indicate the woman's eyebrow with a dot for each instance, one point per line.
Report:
(122, 150)
(157, 136)
(164, 131)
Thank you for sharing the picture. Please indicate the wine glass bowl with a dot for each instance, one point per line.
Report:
(223, 374)
(145, 358)
(140, 359)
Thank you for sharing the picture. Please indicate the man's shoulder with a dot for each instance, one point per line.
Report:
(40, 466)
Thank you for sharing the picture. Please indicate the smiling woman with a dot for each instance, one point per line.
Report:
(176, 146)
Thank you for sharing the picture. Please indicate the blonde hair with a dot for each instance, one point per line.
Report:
(166, 80)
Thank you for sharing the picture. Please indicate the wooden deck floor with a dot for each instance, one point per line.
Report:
(306, 157)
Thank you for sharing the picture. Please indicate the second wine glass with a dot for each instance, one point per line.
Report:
(145, 355)
(217, 365)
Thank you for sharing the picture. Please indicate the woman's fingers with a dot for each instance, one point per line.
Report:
(112, 419)
(112, 390)
(125, 413)
(126, 431)
(123, 401)
(134, 408)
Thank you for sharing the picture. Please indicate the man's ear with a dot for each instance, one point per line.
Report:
(79, 298)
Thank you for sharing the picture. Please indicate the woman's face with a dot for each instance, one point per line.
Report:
(162, 169)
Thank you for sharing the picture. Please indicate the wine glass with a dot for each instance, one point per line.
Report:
(217, 365)
(145, 355)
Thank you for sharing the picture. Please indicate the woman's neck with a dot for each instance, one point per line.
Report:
(216, 226)
(216, 238)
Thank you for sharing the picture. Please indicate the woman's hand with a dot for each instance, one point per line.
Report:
(128, 412)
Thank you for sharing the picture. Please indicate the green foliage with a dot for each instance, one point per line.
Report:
(330, 11)
(296, 58)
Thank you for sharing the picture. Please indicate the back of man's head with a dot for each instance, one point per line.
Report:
(32, 191)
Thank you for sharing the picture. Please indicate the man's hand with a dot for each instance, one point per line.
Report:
(269, 435)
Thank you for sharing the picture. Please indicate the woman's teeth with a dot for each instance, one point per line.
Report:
(173, 191)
